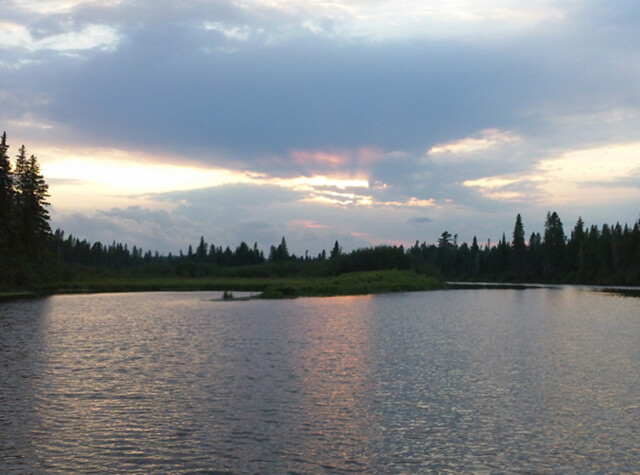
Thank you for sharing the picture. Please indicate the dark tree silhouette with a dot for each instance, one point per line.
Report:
(336, 251)
(6, 196)
(554, 244)
(518, 247)
(31, 199)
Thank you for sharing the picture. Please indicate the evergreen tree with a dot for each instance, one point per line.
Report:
(280, 253)
(6, 211)
(535, 254)
(575, 247)
(6, 180)
(475, 256)
(504, 254)
(282, 250)
(336, 251)
(554, 243)
(519, 247)
(31, 199)
(201, 250)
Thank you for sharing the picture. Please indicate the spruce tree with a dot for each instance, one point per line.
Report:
(6, 179)
(519, 247)
(336, 251)
(554, 243)
(31, 199)
(6, 210)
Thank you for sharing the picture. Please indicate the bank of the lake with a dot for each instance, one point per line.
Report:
(353, 283)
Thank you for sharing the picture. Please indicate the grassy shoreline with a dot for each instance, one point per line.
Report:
(353, 283)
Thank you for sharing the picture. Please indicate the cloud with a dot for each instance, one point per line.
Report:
(604, 171)
(384, 20)
(485, 140)
(102, 37)
(47, 7)
(421, 220)
(353, 116)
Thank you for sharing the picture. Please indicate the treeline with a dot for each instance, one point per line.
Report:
(24, 219)
(210, 260)
(587, 255)
(609, 255)
(116, 256)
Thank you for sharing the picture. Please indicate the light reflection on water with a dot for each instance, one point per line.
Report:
(538, 380)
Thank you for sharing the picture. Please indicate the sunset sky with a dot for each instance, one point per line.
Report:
(366, 121)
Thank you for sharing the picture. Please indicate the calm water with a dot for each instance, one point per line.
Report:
(537, 380)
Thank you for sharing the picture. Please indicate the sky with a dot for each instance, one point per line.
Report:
(365, 121)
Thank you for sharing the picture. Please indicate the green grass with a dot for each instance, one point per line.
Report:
(271, 287)
(353, 283)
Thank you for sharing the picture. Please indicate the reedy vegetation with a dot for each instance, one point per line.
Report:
(31, 256)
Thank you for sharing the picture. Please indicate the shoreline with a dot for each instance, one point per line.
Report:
(356, 283)
(372, 282)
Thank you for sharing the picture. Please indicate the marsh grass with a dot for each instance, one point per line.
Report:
(352, 283)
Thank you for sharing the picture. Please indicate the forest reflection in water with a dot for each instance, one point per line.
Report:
(536, 380)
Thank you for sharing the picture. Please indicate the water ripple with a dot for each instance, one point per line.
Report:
(535, 381)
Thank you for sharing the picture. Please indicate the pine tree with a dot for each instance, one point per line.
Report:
(336, 251)
(518, 246)
(6, 212)
(282, 251)
(475, 256)
(6, 179)
(31, 198)
(554, 243)
(201, 250)
(575, 247)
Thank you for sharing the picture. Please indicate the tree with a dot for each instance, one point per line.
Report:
(31, 198)
(518, 246)
(444, 258)
(554, 243)
(201, 250)
(6, 212)
(504, 254)
(575, 247)
(475, 256)
(6, 179)
(280, 253)
(535, 254)
(6, 191)
(282, 250)
(444, 242)
(336, 251)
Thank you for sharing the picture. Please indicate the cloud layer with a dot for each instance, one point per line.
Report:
(374, 121)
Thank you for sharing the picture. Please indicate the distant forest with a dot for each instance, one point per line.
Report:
(32, 255)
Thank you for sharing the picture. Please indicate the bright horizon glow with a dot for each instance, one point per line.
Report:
(114, 175)
(564, 179)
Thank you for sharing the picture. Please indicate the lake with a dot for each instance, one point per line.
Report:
(494, 380)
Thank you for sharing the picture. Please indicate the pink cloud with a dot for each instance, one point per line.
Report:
(308, 224)
(305, 157)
